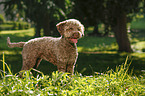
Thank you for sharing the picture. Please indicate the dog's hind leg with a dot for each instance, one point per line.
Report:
(28, 63)
(36, 66)
(37, 63)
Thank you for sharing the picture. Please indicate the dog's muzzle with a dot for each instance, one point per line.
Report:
(75, 36)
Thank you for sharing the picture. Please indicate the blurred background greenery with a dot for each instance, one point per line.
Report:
(114, 29)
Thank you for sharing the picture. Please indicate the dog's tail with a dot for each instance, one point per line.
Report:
(11, 45)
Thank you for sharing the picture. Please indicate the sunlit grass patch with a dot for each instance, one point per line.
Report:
(17, 31)
(140, 55)
(13, 52)
(16, 36)
(138, 24)
(139, 46)
(93, 44)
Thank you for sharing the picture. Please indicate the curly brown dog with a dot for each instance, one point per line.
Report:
(61, 51)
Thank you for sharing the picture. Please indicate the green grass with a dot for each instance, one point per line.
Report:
(109, 83)
(138, 24)
(16, 36)
(96, 54)
(93, 44)
(95, 72)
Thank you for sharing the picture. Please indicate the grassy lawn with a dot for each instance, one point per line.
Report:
(97, 57)
(110, 83)
(96, 54)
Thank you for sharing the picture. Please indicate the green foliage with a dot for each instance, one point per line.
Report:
(9, 25)
(110, 83)
(24, 25)
(92, 12)
(43, 13)
(2, 19)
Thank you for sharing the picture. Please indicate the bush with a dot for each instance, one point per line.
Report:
(2, 19)
(9, 25)
(6, 27)
(24, 25)
(16, 26)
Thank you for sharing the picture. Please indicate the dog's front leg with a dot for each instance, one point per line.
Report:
(61, 68)
(70, 68)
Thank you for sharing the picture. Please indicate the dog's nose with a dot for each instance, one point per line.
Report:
(76, 35)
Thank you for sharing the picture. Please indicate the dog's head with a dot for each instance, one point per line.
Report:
(71, 29)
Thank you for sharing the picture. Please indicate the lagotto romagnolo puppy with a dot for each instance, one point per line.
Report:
(61, 51)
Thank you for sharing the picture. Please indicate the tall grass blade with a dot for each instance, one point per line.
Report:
(3, 64)
(125, 73)
(37, 71)
(8, 68)
(126, 61)
(1, 74)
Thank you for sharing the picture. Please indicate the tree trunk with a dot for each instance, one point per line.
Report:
(46, 25)
(121, 35)
(37, 31)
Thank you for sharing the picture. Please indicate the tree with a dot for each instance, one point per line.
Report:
(117, 13)
(44, 13)
(89, 12)
(112, 13)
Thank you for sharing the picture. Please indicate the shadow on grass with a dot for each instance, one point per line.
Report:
(86, 64)
(139, 34)
(101, 62)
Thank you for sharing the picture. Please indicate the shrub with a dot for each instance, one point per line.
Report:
(9, 25)
(24, 25)
(2, 19)
(16, 26)
(6, 27)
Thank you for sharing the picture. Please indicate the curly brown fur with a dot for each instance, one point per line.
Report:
(11, 45)
(61, 51)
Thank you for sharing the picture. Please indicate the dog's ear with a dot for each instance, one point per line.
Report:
(60, 27)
